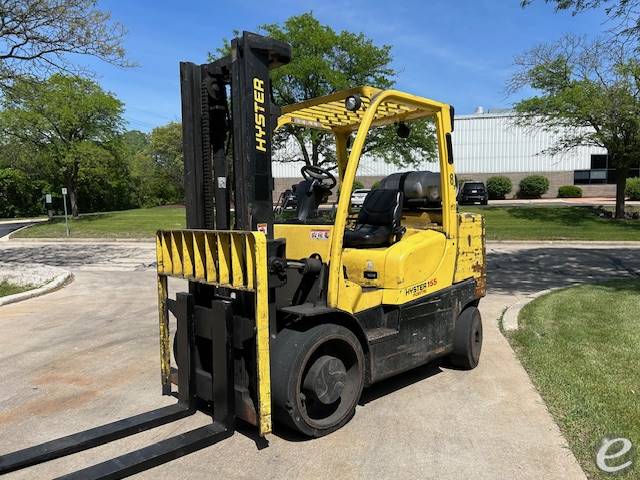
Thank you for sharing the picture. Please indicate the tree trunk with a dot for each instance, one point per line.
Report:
(73, 200)
(621, 184)
(315, 152)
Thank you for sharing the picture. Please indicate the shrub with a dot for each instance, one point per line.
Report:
(633, 188)
(498, 187)
(534, 186)
(569, 191)
(375, 185)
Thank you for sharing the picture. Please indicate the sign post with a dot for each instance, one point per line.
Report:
(64, 201)
(48, 201)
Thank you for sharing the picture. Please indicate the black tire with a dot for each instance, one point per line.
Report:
(468, 339)
(317, 378)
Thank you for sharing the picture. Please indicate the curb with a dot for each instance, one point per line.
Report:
(511, 314)
(576, 243)
(79, 240)
(24, 220)
(55, 284)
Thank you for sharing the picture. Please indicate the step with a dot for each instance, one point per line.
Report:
(380, 334)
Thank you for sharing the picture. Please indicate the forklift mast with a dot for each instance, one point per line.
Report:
(212, 128)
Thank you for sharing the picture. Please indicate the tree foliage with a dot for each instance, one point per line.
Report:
(625, 14)
(40, 37)
(158, 166)
(67, 120)
(19, 195)
(325, 61)
(590, 92)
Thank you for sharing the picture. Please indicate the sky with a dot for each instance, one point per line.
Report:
(456, 51)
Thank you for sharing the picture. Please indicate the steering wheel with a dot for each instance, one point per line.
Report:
(323, 176)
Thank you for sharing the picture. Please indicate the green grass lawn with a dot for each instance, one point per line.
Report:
(503, 223)
(139, 223)
(7, 288)
(554, 223)
(581, 347)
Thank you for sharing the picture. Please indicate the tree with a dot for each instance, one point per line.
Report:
(158, 167)
(323, 62)
(624, 13)
(165, 148)
(105, 182)
(590, 93)
(134, 141)
(40, 37)
(64, 118)
(18, 194)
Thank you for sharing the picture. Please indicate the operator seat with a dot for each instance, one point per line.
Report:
(378, 223)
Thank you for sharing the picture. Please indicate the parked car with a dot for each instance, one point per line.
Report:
(358, 196)
(473, 192)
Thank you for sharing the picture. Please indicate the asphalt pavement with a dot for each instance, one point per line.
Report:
(7, 228)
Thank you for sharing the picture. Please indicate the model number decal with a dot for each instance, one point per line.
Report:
(319, 234)
(421, 287)
(259, 117)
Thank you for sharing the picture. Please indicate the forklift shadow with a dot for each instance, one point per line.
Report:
(398, 382)
(370, 394)
(249, 431)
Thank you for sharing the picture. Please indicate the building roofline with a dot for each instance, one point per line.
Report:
(499, 114)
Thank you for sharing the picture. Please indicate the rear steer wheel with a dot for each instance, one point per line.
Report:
(317, 377)
(468, 339)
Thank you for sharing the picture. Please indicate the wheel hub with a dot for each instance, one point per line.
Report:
(325, 379)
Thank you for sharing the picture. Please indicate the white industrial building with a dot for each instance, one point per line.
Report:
(489, 143)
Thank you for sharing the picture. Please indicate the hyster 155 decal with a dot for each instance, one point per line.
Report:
(421, 287)
(259, 117)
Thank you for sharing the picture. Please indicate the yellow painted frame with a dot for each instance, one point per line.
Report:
(380, 107)
(230, 259)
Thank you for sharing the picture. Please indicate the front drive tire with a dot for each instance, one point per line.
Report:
(317, 378)
(468, 339)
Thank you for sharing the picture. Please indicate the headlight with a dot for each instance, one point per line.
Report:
(353, 103)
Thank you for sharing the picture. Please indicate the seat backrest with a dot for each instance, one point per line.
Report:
(381, 208)
(421, 189)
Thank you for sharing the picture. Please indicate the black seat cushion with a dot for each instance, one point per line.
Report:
(368, 236)
(378, 221)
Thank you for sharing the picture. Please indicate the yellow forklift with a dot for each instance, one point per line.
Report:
(291, 319)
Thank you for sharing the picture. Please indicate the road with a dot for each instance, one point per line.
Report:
(7, 228)
(88, 354)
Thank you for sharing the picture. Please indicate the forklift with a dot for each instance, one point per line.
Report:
(288, 321)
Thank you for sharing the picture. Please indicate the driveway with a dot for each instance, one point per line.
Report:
(6, 227)
(88, 354)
